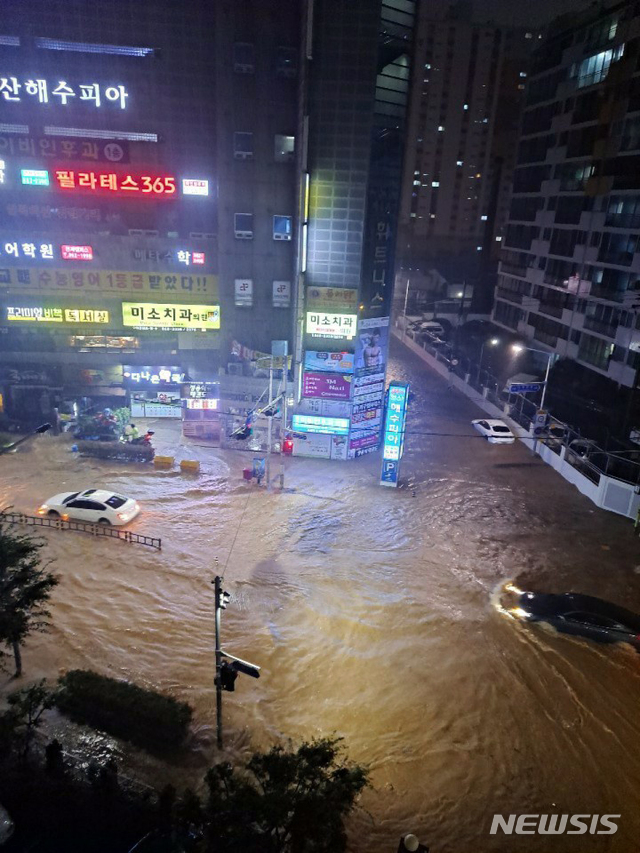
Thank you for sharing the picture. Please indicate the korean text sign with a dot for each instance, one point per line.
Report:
(45, 281)
(155, 315)
(41, 314)
(112, 182)
(393, 438)
(331, 325)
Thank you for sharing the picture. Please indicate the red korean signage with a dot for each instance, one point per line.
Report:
(76, 253)
(105, 182)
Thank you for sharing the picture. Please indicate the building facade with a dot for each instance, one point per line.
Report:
(357, 68)
(147, 192)
(466, 93)
(570, 265)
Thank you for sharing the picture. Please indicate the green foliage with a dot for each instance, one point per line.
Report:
(116, 450)
(285, 801)
(123, 417)
(24, 716)
(25, 588)
(144, 717)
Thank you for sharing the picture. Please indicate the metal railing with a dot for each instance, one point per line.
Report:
(104, 530)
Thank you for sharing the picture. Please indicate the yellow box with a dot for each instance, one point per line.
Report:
(191, 466)
(163, 461)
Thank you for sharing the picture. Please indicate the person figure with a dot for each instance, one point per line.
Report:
(372, 352)
(134, 432)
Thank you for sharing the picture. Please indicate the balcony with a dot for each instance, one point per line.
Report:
(551, 309)
(622, 220)
(598, 292)
(509, 295)
(545, 338)
(513, 269)
(621, 259)
(609, 330)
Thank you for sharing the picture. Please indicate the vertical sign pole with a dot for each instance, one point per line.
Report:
(218, 592)
(269, 428)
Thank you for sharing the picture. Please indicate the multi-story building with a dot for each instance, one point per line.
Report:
(147, 192)
(467, 87)
(570, 267)
(357, 66)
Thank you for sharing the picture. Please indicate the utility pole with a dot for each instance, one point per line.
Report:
(270, 425)
(217, 582)
(404, 313)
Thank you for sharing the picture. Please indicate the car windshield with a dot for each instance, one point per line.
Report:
(498, 428)
(71, 497)
(115, 501)
(89, 492)
(592, 619)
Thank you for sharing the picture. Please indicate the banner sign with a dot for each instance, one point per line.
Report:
(281, 294)
(243, 292)
(155, 315)
(393, 438)
(44, 280)
(96, 150)
(325, 386)
(39, 314)
(372, 346)
(330, 325)
(328, 426)
(332, 298)
(329, 362)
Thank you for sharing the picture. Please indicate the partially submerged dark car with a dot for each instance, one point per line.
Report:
(572, 613)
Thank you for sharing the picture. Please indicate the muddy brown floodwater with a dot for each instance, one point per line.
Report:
(370, 612)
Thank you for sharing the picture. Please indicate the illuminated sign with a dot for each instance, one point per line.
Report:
(134, 375)
(63, 146)
(42, 281)
(187, 258)
(44, 92)
(59, 315)
(329, 362)
(35, 177)
(331, 325)
(76, 253)
(29, 250)
(123, 184)
(326, 386)
(209, 404)
(331, 298)
(393, 437)
(204, 390)
(327, 426)
(150, 315)
(193, 186)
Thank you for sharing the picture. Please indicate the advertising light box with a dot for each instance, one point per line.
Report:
(331, 325)
(76, 253)
(39, 314)
(393, 436)
(326, 386)
(195, 186)
(318, 424)
(155, 315)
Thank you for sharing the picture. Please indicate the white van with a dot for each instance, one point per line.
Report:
(431, 326)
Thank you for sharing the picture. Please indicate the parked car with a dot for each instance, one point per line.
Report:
(583, 447)
(95, 505)
(572, 613)
(431, 326)
(494, 430)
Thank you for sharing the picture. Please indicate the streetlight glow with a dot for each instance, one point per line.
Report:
(517, 348)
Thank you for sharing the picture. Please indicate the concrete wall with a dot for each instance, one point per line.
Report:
(608, 493)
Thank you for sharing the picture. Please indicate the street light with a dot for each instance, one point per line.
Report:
(518, 348)
(493, 342)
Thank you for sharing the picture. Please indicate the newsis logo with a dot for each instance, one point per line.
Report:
(554, 824)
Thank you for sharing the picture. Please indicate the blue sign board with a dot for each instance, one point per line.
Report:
(393, 436)
(318, 424)
(520, 388)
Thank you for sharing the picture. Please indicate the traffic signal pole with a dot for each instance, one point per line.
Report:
(218, 680)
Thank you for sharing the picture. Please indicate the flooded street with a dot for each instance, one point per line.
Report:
(370, 612)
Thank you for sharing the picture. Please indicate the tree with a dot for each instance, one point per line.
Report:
(26, 707)
(25, 588)
(285, 801)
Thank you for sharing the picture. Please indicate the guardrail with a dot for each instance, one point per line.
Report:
(103, 530)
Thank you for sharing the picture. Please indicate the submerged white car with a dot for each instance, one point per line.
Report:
(494, 430)
(95, 505)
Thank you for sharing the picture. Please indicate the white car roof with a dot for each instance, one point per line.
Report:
(100, 495)
(494, 422)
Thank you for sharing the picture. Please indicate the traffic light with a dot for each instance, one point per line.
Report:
(270, 411)
(228, 676)
(223, 600)
(287, 446)
(242, 433)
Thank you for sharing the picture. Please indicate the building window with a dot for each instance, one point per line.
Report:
(283, 148)
(83, 47)
(282, 227)
(286, 62)
(243, 226)
(243, 145)
(594, 68)
(244, 58)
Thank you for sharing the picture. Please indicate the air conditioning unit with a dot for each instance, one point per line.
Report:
(243, 68)
(282, 237)
(243, 155)
(244, 235)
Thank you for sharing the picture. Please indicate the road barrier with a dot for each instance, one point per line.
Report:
(190, 466)
(164, 461)
(104, 530)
